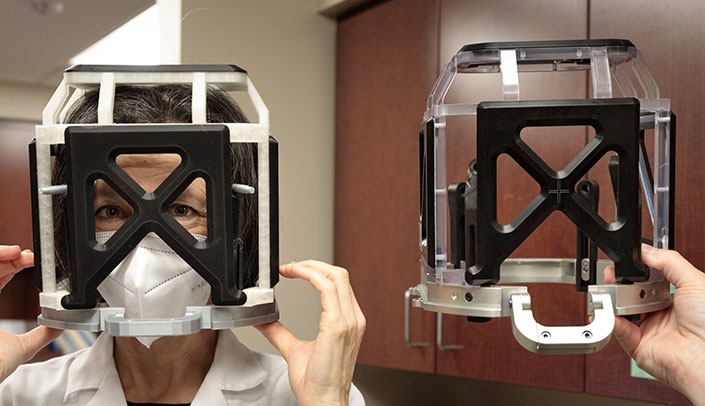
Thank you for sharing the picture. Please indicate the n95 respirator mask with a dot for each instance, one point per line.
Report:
(153, 282)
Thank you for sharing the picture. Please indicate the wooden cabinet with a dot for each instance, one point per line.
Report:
(385, 69)
(389, 56)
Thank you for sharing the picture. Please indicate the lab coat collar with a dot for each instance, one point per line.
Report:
(95, 370)
(234, 368)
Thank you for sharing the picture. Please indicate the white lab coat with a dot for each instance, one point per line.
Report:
(88, 377)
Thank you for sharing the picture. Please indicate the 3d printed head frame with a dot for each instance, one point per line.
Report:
(461, 265)
(204, 150)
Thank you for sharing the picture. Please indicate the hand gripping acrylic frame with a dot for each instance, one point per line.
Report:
(465, 249)
(91, 150)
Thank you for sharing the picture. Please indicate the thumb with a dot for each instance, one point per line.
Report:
(36, 339)
(21, 348)
(628, 334)
(278, 336)
(675, 268)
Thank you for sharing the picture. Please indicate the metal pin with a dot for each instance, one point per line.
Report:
(54, 190)
(243, 189)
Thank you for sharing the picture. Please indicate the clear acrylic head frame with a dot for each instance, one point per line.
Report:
(616, 69)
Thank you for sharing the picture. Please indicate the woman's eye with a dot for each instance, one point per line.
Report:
(110, 212)
(193, 220)
(181, 210)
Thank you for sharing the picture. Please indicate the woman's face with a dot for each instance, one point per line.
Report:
(149, 171)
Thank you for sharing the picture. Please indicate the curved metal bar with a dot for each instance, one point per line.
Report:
(413, 291)
(542, 339)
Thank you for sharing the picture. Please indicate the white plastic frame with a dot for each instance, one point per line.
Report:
(260, 306)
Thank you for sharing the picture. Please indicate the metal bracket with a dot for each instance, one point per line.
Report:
(542, 339)
(439, 336)
(413, 291)
(604, 302)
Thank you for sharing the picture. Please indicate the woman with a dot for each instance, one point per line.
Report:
(205, 368)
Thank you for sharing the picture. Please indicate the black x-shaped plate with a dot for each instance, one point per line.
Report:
(91, 155)
(616, 125)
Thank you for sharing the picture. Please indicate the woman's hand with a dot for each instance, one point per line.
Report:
(670, 344)
(321, 371)
(17, 349)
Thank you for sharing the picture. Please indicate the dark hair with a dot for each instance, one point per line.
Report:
(164, 104)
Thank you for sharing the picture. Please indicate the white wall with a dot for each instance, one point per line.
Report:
(23, 102)
(289, 51)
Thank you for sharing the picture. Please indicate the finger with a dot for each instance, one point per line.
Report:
(330, 300)
(25, 260)
(351, 322)
(9, 252)
(350, 311)
(628, 334)
(279, 337)
(300, 268)
(361, 320)
(13, 259)
(609, 275)
(674, 267)
(341, 279)
(36, 339)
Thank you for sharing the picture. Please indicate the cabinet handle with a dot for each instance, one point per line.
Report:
(413, 291)
(439, 336)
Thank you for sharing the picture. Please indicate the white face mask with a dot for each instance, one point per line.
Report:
(153, 282)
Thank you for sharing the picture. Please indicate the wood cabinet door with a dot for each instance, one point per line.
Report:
(386, 66)
(670, 36)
